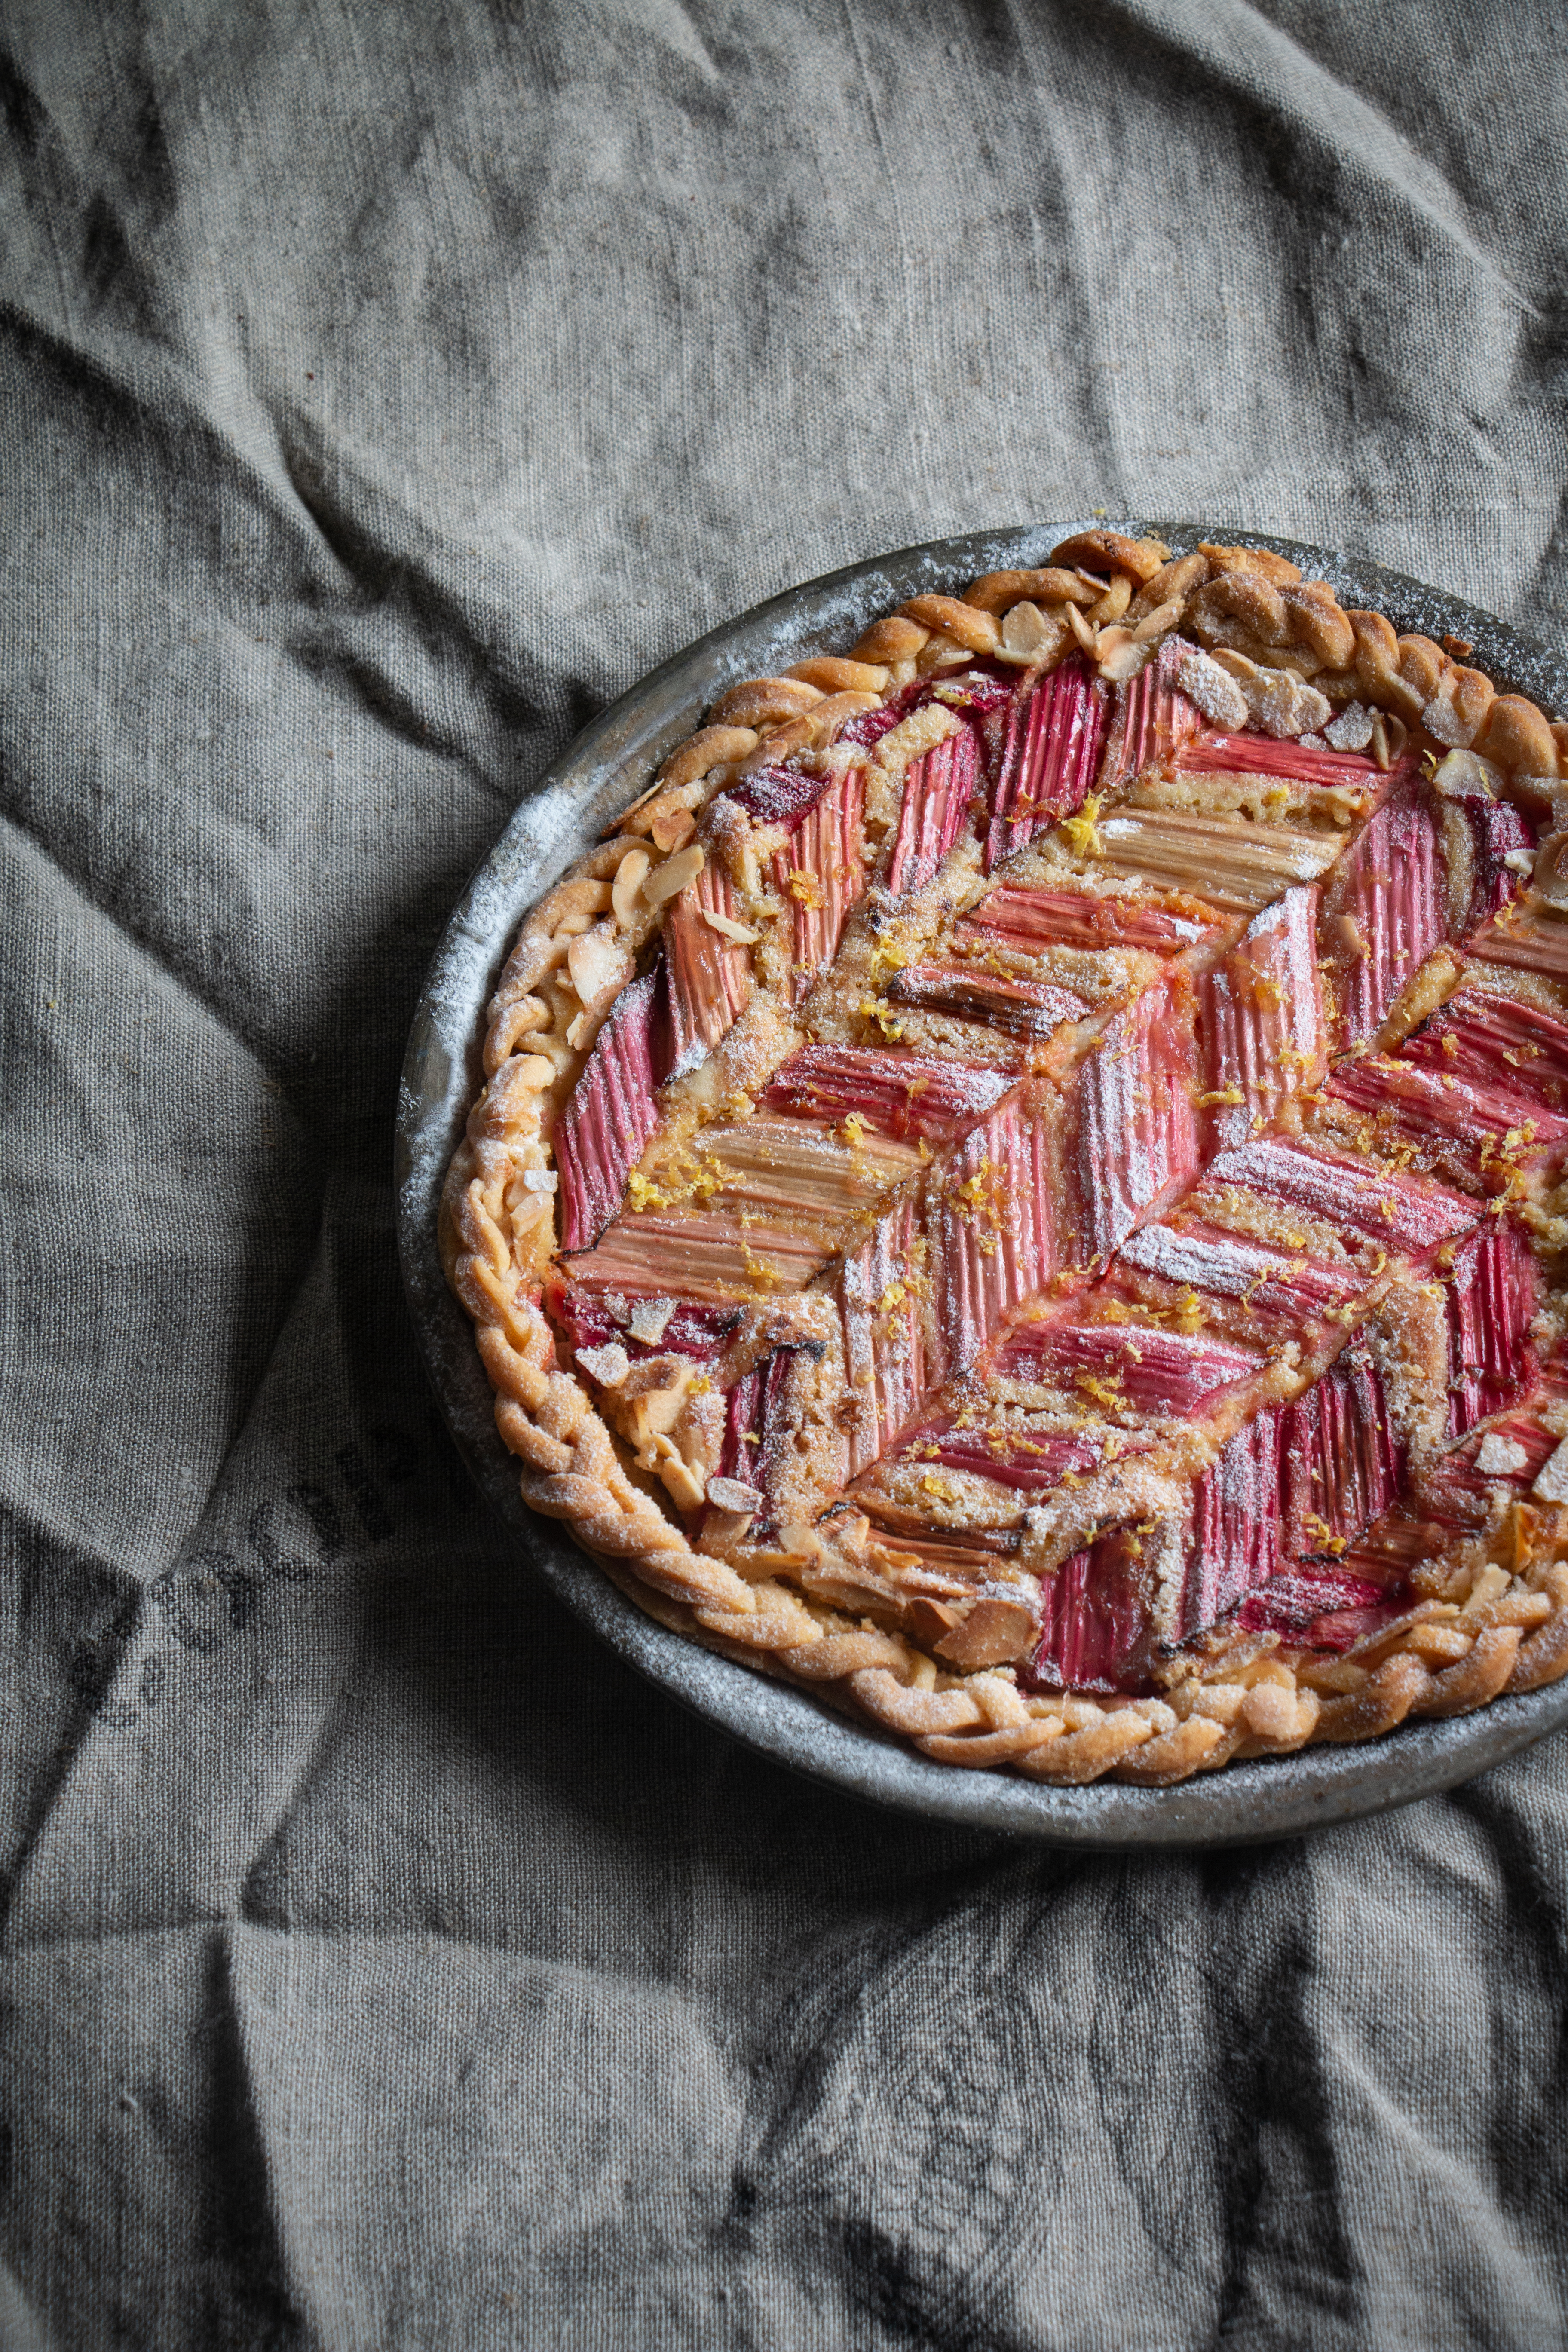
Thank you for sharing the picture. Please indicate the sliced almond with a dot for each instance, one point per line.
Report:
(627, 885)
(1552, 871)
(1389, 737)
(597, 966)
(673, 830)
(1121, 655)
(682, 1483)
(648, 1319)
(666, 880)
(1030, 634)
(1160, 622)
(608, 1365)
(734, 1495)
(730, 928)
(1087, 637)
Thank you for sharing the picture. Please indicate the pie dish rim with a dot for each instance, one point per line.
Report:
(589, 781)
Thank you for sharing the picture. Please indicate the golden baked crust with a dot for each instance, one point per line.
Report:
(1069, 860)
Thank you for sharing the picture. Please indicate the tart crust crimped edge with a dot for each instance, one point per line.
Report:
(1111, 595)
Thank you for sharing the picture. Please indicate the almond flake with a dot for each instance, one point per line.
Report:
(1497, 1456)
(648, 1319)
(667, 881)
(729, 928)
(1352, 731)
(730, 1495)
(537, 1180)
(608, 1365)
(1215, 692)
(1551, 1478)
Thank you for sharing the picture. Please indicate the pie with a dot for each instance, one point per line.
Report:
(1020, 1188)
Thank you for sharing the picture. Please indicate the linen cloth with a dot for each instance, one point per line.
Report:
(383, 389)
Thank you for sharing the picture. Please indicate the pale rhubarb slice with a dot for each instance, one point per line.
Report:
(1029, 920)
(1049, 757)
(1136, 1139)
(1527, 937)
(1262, 1019)
(600, 1136)
(991, 1226)
(699, 1255)
(1387, 912)
(822, 873)
(1151, 720)
(789, 1168)
(1237, 867)
(896, 1092)
(881, 1293)
(938, 788)
(707, 974)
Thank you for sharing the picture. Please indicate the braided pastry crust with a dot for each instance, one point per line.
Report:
(1267, 654)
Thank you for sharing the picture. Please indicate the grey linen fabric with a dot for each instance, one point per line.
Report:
(383, 389)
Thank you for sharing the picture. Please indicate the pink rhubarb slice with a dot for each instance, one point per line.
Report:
(1137, 1132)
(1402, 1214)
(593, 1319)
(1266, 755)
(1049, 756)
(1493, 1292)
(938, 789)
(1262, 1019)
(1011, 1453)
(899, 1093)
(1021, 1008)
(1498, 832)
(600, 1136)
(1390, 909)
(1234, 1542)
(882, 1294)
(708, 975)
(1289, 1296)
(1029, 920)
(1318, 1608)
(822, 874)
(1151, 721)
(991, 1224)
(757, 1425)
(1096, 1632)
(1114, 1365)
(1342, 1462)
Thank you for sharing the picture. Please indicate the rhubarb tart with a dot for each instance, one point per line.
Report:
(1020, 1187)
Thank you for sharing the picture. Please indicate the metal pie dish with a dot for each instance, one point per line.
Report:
(591, 782)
